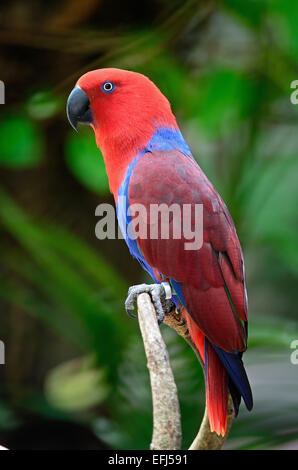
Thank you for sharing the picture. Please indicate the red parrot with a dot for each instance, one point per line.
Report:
(149, 163)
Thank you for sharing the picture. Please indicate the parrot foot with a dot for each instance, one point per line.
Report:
(160, 295)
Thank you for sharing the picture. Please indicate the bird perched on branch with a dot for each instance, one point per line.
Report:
(149, 164)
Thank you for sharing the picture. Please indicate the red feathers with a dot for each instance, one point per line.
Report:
(213, 293)
(216, 379)
(216, 392)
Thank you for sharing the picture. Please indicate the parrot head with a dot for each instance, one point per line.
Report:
(124, 109)
(111, 98)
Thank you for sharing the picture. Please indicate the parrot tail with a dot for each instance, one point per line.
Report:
(216, 379)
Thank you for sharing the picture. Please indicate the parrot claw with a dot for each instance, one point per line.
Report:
(168, 306)
(160, 295)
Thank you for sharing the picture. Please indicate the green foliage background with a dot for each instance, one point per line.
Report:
(72, 355)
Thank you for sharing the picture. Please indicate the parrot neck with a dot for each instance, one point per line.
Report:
(120, 149)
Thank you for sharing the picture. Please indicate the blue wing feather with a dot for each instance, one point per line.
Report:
(124, 219)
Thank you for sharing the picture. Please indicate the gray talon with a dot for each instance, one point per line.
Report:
(168, 306)
(130, 314)
(160, 298)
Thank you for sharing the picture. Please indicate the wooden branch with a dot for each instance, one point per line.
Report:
(166, 411)
(205, 439)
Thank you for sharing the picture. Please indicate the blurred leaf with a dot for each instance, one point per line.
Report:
(57, 318)
(21, 142)
(285, 16)
(8, 419)
(86, 162)
(251, 12)
(76, 385)
(271, 208)
(265, 330)
(44, 104)
(226, 97)
(87, 259)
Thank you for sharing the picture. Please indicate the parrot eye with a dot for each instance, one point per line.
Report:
(107, 87)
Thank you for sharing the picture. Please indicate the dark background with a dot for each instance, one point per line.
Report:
(75, 374)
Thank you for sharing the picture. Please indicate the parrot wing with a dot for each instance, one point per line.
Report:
(209, 281)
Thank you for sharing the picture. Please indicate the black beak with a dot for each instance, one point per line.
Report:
(78, 108)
